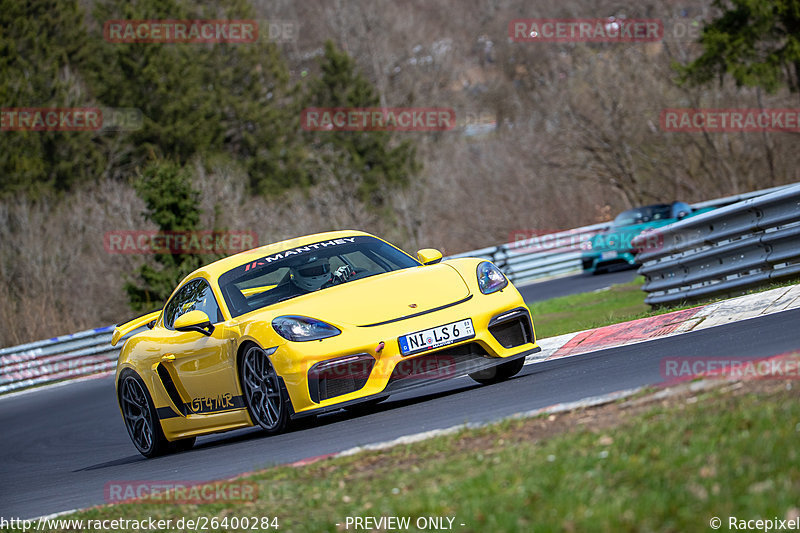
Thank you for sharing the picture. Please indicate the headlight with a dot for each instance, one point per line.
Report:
(301, 328)
(490, 279)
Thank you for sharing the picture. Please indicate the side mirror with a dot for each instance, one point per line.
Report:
(429, 256)
(195, 321)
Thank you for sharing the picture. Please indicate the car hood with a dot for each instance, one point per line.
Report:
(381, 298)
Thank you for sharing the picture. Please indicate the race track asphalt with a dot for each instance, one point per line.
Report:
(61, 446)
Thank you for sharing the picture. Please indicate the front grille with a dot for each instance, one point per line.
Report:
(440, 364)
(514, 331)
(337, 377)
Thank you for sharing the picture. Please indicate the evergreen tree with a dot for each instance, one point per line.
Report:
(43, 44)
(172, 204)
(206, 99)
(372, 158)
(755, 41)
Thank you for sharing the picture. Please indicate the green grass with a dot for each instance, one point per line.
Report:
(588, 310)
(619, 303)
(668, 468)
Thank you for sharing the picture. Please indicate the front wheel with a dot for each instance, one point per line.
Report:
(140, 418)
(266, 400)
(498, 373)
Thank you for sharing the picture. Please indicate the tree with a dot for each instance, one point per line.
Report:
(42, 46)
(201, 99)
(172, 204)
(755, 41)
(368, 160)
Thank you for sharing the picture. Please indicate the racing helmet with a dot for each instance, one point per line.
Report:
(312, 275)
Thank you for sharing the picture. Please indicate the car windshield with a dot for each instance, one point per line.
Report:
(641, 215)
(288, 274)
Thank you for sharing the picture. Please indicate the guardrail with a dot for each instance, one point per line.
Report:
(560, 253)
(540, 255)
(723, 251)
(60, 358)
(90, 352)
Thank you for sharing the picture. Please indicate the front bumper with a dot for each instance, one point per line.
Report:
(428, 376)
(387, 371)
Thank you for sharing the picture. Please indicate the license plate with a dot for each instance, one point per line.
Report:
(428, 339)
(608, 255)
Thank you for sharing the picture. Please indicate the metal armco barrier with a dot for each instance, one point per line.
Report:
(723, 251)
(541, 255)
(60, 358)
(90, 352)
(560, 253)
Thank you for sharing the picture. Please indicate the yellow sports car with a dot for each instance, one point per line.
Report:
(311, 325)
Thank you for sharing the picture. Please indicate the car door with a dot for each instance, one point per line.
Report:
(201, 367)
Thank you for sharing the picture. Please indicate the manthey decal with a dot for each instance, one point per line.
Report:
(297, 251)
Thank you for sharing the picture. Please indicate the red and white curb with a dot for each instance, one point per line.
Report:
(668, 324)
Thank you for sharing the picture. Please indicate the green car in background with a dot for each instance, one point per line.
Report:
(612, 249)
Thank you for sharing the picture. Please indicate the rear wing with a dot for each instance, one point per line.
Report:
(123, 329)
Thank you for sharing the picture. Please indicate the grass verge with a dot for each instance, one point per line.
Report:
(619, 303)
(588, 310)
(646, 464)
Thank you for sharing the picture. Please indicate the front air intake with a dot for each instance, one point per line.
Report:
(512, 329)
(440, 364)
(337, 377)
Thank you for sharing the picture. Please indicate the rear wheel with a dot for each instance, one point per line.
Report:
(499, 373)
(140, 417)
(266, 400)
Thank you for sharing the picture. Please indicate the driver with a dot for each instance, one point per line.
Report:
(316, 273)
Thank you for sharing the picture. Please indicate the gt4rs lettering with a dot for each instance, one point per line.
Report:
(204, 405)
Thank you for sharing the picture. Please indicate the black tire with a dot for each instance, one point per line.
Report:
(499, 373)
(139, 415)
(264, 393)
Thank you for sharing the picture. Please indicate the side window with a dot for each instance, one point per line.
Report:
(195, 295)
